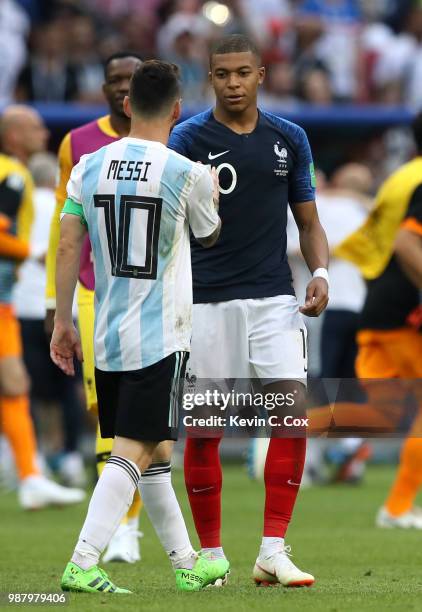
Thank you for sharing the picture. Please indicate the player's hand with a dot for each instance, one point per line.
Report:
(64, 346)
(49, 322)
(316, 298)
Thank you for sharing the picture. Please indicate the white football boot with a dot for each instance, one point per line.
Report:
(408, 520)
(37, 492)
(72, 470)
(279, 569)
(124, 545)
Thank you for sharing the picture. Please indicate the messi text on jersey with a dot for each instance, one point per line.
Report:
(124, 170)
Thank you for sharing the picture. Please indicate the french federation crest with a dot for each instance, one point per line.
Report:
(281, 153)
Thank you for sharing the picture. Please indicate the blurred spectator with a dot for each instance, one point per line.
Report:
(48, 76)
(138, 32)
(48, 383)
(178, 24)
(308, 31)
(85, 60)
(343, 204)
(267, 18)
(343, 207)
(182, 40)
(314, 87)
(338, 47)
(113, 9)
(399, 68)
(279, 86)
(301, 277)
(14, 27)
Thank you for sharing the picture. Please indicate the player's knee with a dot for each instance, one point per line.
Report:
(139, 452)
(14, 379)
(163, 452)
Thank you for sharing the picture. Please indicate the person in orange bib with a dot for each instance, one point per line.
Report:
(23, 133)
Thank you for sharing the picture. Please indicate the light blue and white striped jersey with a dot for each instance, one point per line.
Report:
(138, 199)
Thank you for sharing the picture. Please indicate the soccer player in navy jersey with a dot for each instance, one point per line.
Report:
(246, 319)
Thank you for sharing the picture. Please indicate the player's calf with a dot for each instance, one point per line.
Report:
(14, 379)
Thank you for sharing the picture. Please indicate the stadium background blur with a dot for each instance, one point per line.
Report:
(348, 71)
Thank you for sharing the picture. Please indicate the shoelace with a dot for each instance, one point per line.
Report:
(286, 550)
(210, 556)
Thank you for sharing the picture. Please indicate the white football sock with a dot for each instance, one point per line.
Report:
(270, 546)
(217, 552)
(109, 503)
(164, 512)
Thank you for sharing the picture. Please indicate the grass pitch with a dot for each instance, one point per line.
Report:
(357, 567)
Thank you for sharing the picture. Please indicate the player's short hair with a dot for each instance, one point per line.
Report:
(117, 56)
(417, 131)
(234, 43)
(154, 86)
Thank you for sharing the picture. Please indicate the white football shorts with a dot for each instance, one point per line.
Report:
(262, 338)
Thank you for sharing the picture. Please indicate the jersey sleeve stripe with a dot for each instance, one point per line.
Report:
(413, 225)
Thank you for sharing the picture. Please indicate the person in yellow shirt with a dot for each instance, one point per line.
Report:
(118, 70)
(22, 134)
(390, 339)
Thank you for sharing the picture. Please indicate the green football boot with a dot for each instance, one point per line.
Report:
(207, 571)
(93, 580)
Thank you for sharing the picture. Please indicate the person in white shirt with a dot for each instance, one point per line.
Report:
(343, 205)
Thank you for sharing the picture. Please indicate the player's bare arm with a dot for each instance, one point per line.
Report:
(65, 342)
(314, 248)
(408, 248)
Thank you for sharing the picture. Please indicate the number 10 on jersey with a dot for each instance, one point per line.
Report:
(145, 233)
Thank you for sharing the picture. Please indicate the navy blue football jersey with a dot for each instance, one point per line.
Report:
(260, 173)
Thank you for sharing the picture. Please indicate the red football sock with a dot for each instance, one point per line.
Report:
(203, 479)
(282, 475)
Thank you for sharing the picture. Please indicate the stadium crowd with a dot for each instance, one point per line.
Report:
(315, 51)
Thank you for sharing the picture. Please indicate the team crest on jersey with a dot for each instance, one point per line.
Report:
(190, 381)
(281, 154)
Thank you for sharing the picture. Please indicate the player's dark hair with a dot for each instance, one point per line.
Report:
(154, 86)
(417, 131)
(234, 43)
(117, 56)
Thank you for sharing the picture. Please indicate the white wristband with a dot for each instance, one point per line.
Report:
(50, 303)
(321, 273)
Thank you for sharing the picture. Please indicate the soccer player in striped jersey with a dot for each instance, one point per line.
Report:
(137, 199)
(118, 68)
(246, 319)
